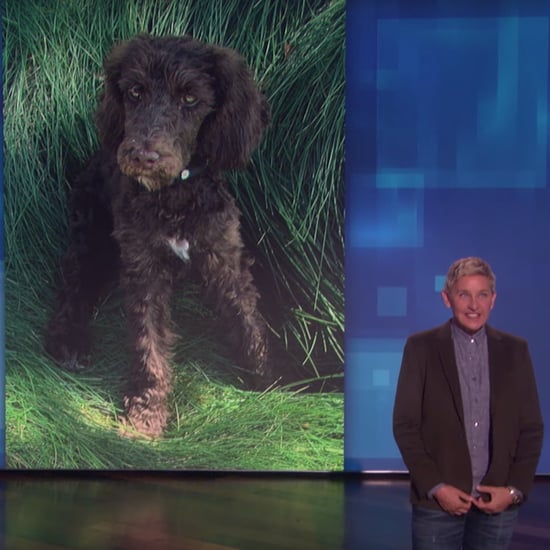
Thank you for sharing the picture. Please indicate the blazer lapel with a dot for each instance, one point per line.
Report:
(450, 369)
(497, 358)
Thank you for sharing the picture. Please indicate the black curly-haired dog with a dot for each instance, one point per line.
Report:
(175, 113)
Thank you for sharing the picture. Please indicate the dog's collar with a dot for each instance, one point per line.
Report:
(189, 173)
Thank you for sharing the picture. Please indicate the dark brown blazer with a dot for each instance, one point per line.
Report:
(428, 420)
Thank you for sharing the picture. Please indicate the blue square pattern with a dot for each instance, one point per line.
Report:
(439, 282)
(372, 362)
(383, 218)
(493, 71)
(372, 367)
(381, 378)
(391, 301)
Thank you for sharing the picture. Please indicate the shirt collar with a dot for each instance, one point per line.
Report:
(457, 332)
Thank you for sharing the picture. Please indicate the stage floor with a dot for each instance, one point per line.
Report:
(147, 511)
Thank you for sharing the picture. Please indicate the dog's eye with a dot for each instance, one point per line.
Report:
(134, 93)
(188, 100)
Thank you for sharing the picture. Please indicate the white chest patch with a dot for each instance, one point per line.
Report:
(180, 248)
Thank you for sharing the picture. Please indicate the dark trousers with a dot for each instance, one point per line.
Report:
(437, 530)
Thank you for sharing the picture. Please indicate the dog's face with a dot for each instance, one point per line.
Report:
(173, 102)
(165, 104)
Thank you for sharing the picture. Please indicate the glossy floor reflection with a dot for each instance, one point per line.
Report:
(123, 511)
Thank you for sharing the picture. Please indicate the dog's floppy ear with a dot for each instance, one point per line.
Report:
(231, 133)
(109, 116)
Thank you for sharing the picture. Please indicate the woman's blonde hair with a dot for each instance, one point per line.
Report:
(469, 266)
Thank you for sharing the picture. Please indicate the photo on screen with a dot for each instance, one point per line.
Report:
(67, 411)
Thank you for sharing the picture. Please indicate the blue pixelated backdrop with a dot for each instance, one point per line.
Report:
(446, 156)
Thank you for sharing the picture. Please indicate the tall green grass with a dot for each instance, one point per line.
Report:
(292, 202)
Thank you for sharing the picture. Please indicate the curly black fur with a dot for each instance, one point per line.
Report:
(169, 105)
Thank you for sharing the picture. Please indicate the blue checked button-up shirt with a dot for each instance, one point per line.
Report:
(472, 360)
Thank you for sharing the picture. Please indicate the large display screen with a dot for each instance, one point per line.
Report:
(188, 314)
(439, 121)
(446, 157)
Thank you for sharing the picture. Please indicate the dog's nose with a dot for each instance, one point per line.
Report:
(145, 157)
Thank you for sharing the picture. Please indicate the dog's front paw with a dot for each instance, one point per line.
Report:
(142, 420)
